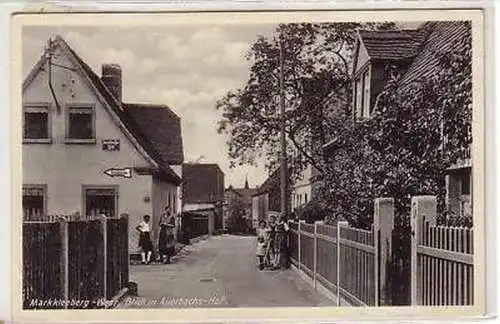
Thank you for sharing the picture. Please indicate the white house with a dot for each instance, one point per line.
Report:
(86, 151)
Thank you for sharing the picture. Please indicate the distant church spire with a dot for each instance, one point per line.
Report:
(246, 182)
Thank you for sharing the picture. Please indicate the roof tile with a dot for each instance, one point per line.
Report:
(391, 45)
(163, 128)
(443, 37)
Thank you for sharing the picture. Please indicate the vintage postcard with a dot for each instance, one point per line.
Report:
(225, 166)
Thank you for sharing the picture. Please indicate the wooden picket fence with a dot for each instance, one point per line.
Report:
(38, 216)
(42, 271)
(422, 265)
(358, 259)
(445, 266)
(67, 261)
(341, 258)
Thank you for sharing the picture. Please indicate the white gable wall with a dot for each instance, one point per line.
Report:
(362, 58)
(65, 168)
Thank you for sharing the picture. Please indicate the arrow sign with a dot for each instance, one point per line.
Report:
(119, 172)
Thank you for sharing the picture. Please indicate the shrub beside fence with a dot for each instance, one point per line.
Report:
(69, 261)
(422, 265)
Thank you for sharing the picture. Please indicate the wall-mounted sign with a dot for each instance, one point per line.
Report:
(111, 145)
(119, 172)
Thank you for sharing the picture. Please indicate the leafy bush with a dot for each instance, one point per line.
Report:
(313, 211)
(449, 218)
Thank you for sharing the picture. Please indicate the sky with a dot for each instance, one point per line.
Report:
(186, 67)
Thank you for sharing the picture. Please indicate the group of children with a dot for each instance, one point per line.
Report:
(272, 244)
(166, 239)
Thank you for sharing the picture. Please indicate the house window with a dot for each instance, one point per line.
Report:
(355, 99)
(100, 200)
(33, 202)
(366, 94)
(465, 183)
(305, 200)
(362, 95)
(36, 123)
(81, 123)
(359, 98)
(174, 202)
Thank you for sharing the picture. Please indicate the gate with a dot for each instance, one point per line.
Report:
(398, 281)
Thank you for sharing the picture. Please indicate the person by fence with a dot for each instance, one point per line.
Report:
(261, 252)
(281, 244)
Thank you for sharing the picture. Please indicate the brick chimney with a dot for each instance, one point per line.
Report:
(112, 78)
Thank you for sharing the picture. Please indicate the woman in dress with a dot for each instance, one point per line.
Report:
(166, 240)
(281, 244)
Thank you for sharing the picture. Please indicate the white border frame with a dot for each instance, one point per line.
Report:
(489, 113)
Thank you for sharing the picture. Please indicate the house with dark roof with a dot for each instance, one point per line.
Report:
(239, 195)
(414, 54)
(86, 151)
(267, 200)
(203, 192)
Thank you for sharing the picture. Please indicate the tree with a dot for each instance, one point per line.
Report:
(416, 132)
(316, 71)
(237, 221)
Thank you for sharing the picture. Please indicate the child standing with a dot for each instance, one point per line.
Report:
(145, 242)
(261, 251)
(261, 230)
(268, 244)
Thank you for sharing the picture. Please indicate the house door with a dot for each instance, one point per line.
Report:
(101, 200)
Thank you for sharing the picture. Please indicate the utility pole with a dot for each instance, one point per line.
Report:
(283, 164)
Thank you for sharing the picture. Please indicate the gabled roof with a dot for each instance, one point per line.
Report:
(131, 124)
(391, 45)
(162, 127)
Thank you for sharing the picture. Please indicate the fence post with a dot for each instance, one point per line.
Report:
(104, 223)
(315, 254)
(339, 272)
(383, 221)
(124, 250)
(423, 208)
(298, 245)
(63, 226)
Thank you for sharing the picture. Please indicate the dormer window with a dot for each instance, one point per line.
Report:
(362, 94)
